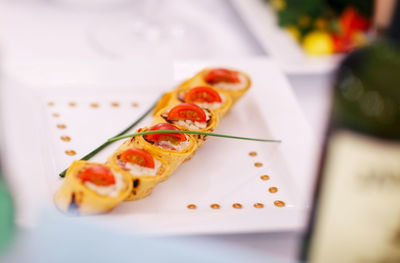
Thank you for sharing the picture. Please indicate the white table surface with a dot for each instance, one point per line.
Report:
(32, 31)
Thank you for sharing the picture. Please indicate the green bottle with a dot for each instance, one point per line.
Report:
(356, 210)
(6, 216)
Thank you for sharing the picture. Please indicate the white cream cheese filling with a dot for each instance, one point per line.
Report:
(212, 105)
(232, 86)
(140, 170)
(191, 125)
(110, 190)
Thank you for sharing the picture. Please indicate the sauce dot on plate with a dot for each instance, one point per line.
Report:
(70, 152)
(72, 104)
(264, 177)
(61, 126)
(279, 203)
(257, 164)
(215, 206)
(50, 103)
(135, 104)
(191, 206)
(273, 189)
(252, 153)
(94, 105)
(237, 206)
(55, 115)
(258, 205)
(114, 104)
(65, 138)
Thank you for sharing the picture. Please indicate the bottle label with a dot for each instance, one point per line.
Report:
(358, 214)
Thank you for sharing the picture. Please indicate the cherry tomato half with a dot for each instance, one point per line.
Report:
(137, 156)
(98, 175)
(187, 111)
(221, 75)
(202, 94)
(175, 138)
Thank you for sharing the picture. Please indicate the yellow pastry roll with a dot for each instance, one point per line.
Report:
(145, 169)
(234, 83)
(92, 188)
(191, 117)
(172, 148)
(204, 96)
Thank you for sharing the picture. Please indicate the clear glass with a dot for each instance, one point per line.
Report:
(153, 28)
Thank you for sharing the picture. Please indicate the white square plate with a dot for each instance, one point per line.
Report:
(222, 171)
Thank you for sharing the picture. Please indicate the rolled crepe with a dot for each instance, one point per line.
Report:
(142, 185)
(173, 158)
(177, 96)
(235, 94)
(200, 139)
(77, 197)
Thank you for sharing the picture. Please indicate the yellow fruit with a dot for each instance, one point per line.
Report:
(318, 43)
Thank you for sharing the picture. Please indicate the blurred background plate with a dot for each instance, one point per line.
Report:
(221, 172)
(261, 21)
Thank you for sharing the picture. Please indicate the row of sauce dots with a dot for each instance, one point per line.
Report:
(61, 126)
(277, 203)
(95, 104)
(272, 189)
(256, 164)
(64, 138)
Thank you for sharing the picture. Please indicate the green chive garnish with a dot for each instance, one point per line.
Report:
(117, 138)
(108, 142)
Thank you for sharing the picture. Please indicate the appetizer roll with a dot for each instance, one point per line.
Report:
(233, 82)
(189, 116)
(145, 169)
(172, 148)
(204, 96)
(92, 188)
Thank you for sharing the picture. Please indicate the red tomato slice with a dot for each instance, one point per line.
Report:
(187, 111)
(175, 138)
(221, 75)
(202, 94)
(98, 175)
(137, 156)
